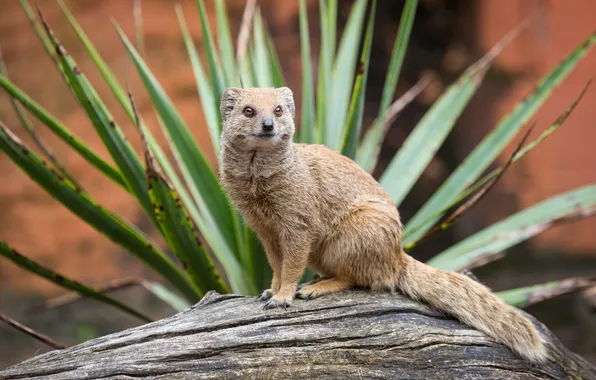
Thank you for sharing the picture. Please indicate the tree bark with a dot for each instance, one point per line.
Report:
(354, 334)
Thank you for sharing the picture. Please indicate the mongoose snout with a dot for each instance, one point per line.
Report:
(267, 125)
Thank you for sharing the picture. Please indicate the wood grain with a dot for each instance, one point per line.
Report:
(350, 335)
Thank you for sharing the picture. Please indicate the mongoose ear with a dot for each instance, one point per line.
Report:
(288, 97)
(228, 100)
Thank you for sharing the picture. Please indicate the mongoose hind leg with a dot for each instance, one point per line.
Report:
(316, 278)
(327, 286)
(365, 249)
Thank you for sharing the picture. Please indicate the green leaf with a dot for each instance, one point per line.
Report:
(96, 216)
(42, 37)
(226, 47)
(342, 76)
(166, 295)
(178, 228)
(242, 59)
(217, 220)
(308, 119)
(209, 103)
(529, 295)
(356, 112)
(246, 74)
(331, 15)
(158, 290)
(481, 247)
(103, 68)
(371, 146)
(523, 151)
(518, 155)
(261, 57)
(63, 281)
(424, 141)
(327, 16)
(61, 131)
(491, 146)
(122, 98)
(122, 153)
(277, 75)
(47, 152)
(215, 72)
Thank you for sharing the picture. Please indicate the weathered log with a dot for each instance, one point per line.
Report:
(354, 334)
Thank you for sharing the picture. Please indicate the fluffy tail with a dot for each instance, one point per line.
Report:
(473, 304)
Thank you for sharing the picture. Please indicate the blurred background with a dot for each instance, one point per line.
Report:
(448, 36)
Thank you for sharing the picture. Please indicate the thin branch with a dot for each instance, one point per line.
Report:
(45, 150)
(70, 298)
(244, 34)
(29, 331)
(397, 106)
(533, 229)
(464, 207)
(478, 184)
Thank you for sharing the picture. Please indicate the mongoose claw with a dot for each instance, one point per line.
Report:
(265, 295)
(304, 295)
(273, 303)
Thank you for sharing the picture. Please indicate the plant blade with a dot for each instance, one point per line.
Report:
(529, 295)
(308, 119)
(208, 101)
(122, 98)
(326, 53)
(47, 152)
(158, 290)
(490, 147)
(342, 76)
(215, 72)
(478, 248)
(489, 177)
(368, 156)
(217, 219)
(351, 134)
(111, 135)
(87, 209)
(421, 145)
(277, 75)
(62, 131)
(63, 281)
(226, 47)
(177, 226)
(261, 57)
(242, 44)
(474, 198)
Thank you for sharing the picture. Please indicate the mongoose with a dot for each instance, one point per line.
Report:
(310, 205)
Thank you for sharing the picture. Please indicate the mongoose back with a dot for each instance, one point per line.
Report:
(311, 206)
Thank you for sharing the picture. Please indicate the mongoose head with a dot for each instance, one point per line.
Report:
(257, 117)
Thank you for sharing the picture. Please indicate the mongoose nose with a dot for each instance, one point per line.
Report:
(267, 125)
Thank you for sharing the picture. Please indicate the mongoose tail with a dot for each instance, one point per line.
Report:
(473, 304)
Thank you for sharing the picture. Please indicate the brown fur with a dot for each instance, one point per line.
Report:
(312, 206)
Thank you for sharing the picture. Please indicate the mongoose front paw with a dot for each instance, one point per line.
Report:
(265, 295)
(276, 302)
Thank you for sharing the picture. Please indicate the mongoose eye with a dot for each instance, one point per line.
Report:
(278, 111)
(249, 112)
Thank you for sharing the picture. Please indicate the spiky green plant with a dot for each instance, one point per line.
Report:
(191, 211)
